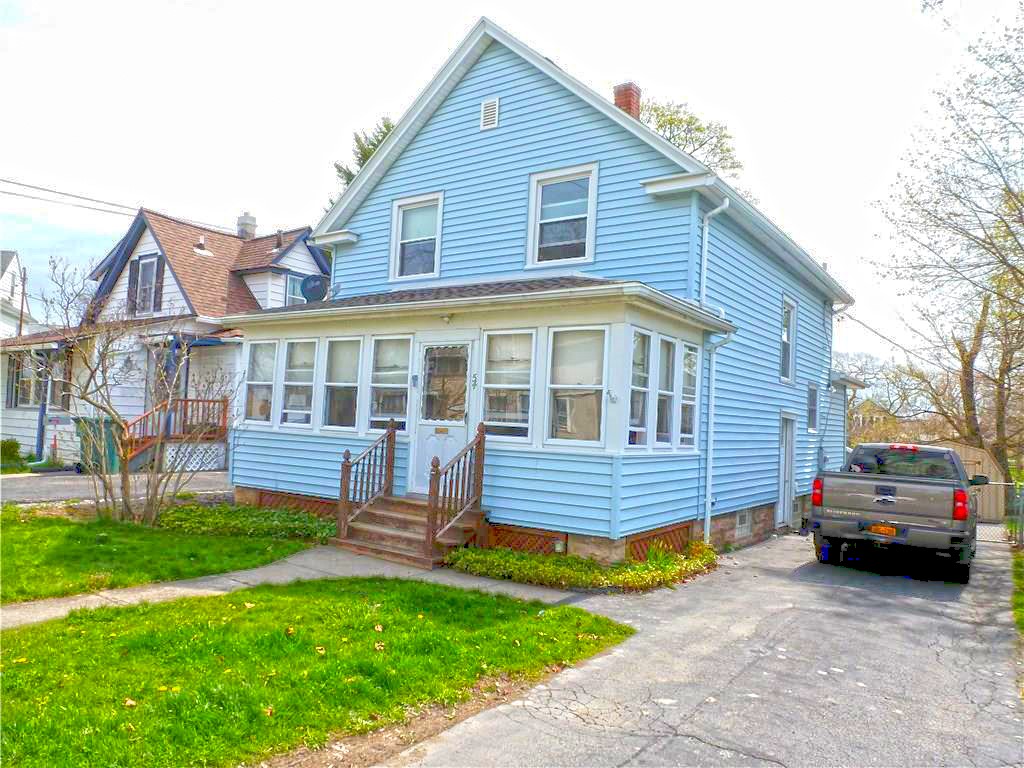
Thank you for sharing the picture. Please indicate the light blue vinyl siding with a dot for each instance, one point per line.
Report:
(485, 177)
(833, 412)
(551, 490)
(750, 284)
(295, 462)
(657, 490)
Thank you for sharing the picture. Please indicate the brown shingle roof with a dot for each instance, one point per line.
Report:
(448, 292)
(260, 252)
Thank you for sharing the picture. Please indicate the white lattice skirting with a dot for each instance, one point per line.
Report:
(196, 456)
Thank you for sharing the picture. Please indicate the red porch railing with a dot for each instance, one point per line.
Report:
(455, 489)
(367, 478)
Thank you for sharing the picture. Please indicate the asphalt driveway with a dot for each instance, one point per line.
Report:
(777, 660)
(61, 486)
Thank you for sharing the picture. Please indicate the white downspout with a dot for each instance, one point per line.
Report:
(709, 465)
(704, 247)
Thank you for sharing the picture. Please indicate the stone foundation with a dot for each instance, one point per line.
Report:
(597, 548)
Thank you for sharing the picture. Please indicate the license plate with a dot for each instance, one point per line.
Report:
(884, 530)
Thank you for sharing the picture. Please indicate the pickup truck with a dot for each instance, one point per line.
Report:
(897, 495)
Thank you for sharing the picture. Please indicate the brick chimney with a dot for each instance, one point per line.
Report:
(627, 98)
(246, 226)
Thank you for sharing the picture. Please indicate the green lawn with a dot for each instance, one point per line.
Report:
(50, 557)
(1018, 589)
(220, 680)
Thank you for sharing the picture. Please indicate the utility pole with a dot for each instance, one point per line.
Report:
(24, 290)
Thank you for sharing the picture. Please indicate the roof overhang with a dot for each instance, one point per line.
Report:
(755, 223)
(632, 292)
(850, 382)
(338, 237)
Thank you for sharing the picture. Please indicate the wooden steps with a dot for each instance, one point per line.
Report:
(395, 528)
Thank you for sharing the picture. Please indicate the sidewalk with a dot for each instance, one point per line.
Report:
(62, 486)
(317, 563)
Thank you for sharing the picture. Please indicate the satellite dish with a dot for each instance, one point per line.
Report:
(314, 287)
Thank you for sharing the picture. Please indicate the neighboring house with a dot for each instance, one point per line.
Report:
(649, 354)
(174, 280)
(15, 317)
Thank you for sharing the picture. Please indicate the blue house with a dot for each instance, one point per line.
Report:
(647, 355)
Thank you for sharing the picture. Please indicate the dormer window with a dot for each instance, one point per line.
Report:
(294, 294)
(147, 283)
(561, 222)
(416, 237)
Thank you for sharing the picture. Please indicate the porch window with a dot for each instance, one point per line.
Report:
(294, 293)
(28, 373)
(508, 378)
(640, 387)
(576, 385)
(259, 380)
(341, 382)
(786, 341)
(415, 237)
(666, 392)
(812, 407)
(688, 402)
(299, 364)
(389, 383)
(562, 215)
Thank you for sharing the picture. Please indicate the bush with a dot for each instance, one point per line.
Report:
(240, 520)
(662, 568)
(10, 452)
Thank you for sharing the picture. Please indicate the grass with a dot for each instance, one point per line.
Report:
(44, 557)
(1018, 589)
(662, 568)
(240, 520)
(221, 680)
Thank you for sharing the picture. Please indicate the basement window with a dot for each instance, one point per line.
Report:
(744, 524)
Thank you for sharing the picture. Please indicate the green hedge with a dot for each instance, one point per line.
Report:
(662, 568)
(240, 520)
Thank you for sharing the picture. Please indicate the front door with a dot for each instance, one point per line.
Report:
(787, 446)
(441, 424)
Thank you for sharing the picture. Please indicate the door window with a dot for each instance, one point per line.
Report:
(444, 383)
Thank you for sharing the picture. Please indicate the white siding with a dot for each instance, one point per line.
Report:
(173, 298)
(278, 286)
(299, 259)
(257, 284)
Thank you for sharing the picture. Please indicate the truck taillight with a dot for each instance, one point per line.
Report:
(817, 492)
(960, 508)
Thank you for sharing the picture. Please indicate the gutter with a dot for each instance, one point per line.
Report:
(704, 238)
(709, 466)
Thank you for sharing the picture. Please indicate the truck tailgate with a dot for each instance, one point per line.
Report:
(914, 501)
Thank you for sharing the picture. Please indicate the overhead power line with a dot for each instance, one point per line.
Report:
(898, 346)
(69, 194)
(64, 202)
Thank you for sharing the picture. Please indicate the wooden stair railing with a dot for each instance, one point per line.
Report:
(367, 478)
(180, 419)
(455, 489)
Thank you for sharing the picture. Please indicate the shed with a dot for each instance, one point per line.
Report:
(978, 461)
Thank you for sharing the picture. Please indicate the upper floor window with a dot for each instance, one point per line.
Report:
(416, 237)
(812, 407)
(259, 380)
(788, 331)
(294, 292)
(147, 283)
(561, 222)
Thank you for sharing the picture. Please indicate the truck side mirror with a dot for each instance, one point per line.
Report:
(979, 480)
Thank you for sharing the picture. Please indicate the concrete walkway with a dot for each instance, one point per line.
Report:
(316, 563)
(62, 486)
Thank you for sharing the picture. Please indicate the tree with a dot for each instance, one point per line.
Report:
(364, 144)
(958, 207)
(708, 141)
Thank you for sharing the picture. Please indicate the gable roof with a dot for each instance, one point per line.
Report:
(211, 281)
(483, 33)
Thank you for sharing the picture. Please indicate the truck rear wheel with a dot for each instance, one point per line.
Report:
(961, 573)
(826, 550)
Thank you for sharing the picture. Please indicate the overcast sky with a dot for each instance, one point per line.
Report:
(206, 109)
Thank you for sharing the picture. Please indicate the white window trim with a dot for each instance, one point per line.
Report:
(533, 223)
(813, 386)
(788, 302)
(646, 429)
(324, 384)
(279, 411)
(531, 388)
(673, 415)
(681, 347)
(273, 384)
(287, 295)
(367, 416)
(396, 230)
(143, 260)
(548, 440)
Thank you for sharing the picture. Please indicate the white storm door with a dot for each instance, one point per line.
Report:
(441, 423)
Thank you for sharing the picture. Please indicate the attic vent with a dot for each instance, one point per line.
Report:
(489, 114)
